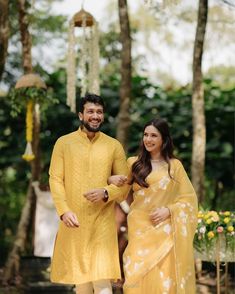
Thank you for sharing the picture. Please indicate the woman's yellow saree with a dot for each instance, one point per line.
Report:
(159, 259)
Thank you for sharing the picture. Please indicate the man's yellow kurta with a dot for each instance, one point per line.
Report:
(89, 252)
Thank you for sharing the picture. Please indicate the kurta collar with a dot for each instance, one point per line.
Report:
(84, 135)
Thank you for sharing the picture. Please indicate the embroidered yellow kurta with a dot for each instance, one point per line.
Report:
(89, 252)
(159, 259)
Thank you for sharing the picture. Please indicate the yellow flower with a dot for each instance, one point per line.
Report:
(29, 121)
(227, 213)
(226, 220)
(209, 221)
(28, 157)
(28, 154)
(230, 229)
(200, 214)
(210, 235)
(214, 216)
(206, 216)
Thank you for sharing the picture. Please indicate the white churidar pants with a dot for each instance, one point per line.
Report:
(100, 287)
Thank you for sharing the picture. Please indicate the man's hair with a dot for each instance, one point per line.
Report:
(90, 98)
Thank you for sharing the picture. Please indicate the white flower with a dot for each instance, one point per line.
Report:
(164, 182)
(202, 230)
(143, 252)
(140, 192)
(167, 229)
(182, 283)
(184, 231)
(183, 216)
(167, 283)
(137, 265)
(138, 232)
(126, 261)
(147, 200)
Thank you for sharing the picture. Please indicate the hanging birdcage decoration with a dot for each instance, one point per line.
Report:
(30, 87)
(88, 66)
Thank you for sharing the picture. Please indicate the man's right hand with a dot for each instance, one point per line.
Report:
(70, 219)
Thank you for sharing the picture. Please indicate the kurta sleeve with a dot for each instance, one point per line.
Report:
(56, 179)
(119, 168)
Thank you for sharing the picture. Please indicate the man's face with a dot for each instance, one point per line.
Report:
(92, 117)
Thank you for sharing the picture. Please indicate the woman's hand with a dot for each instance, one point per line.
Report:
(159, 215)
(117, 180)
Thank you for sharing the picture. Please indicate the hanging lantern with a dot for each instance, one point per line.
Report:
(29, 81)
(88, 67)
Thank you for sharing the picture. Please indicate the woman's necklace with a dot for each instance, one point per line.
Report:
(156, 160)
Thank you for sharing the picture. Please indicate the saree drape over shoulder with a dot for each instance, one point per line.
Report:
(159, 259)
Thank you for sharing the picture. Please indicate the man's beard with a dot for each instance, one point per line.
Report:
(89, 128)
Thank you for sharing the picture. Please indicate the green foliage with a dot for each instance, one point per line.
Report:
(19, 98)
(11, 201)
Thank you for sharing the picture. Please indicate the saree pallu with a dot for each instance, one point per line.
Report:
(159, 259)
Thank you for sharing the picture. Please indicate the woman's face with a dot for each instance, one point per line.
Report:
(152, 140)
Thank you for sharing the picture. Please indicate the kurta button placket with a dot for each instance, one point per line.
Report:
(90, 161)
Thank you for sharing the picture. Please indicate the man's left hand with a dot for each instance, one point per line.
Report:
(94, 195)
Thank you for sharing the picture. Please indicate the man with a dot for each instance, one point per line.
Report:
(86, 250)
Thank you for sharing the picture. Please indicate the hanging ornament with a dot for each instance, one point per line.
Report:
(28, 154)
(88, 67)
(30, 85)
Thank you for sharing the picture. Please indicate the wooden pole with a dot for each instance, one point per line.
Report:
(226, 277)
(218, 265)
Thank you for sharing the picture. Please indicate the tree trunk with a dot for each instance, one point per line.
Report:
(25, 37)
(13, 262)
(4, 33)
(199, 127)
(125, 88)
(12, 265)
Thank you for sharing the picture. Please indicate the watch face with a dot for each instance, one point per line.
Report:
(106, 195)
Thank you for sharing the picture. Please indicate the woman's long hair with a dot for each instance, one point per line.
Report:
(142, 167)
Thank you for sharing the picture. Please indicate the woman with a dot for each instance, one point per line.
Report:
(162, 218)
